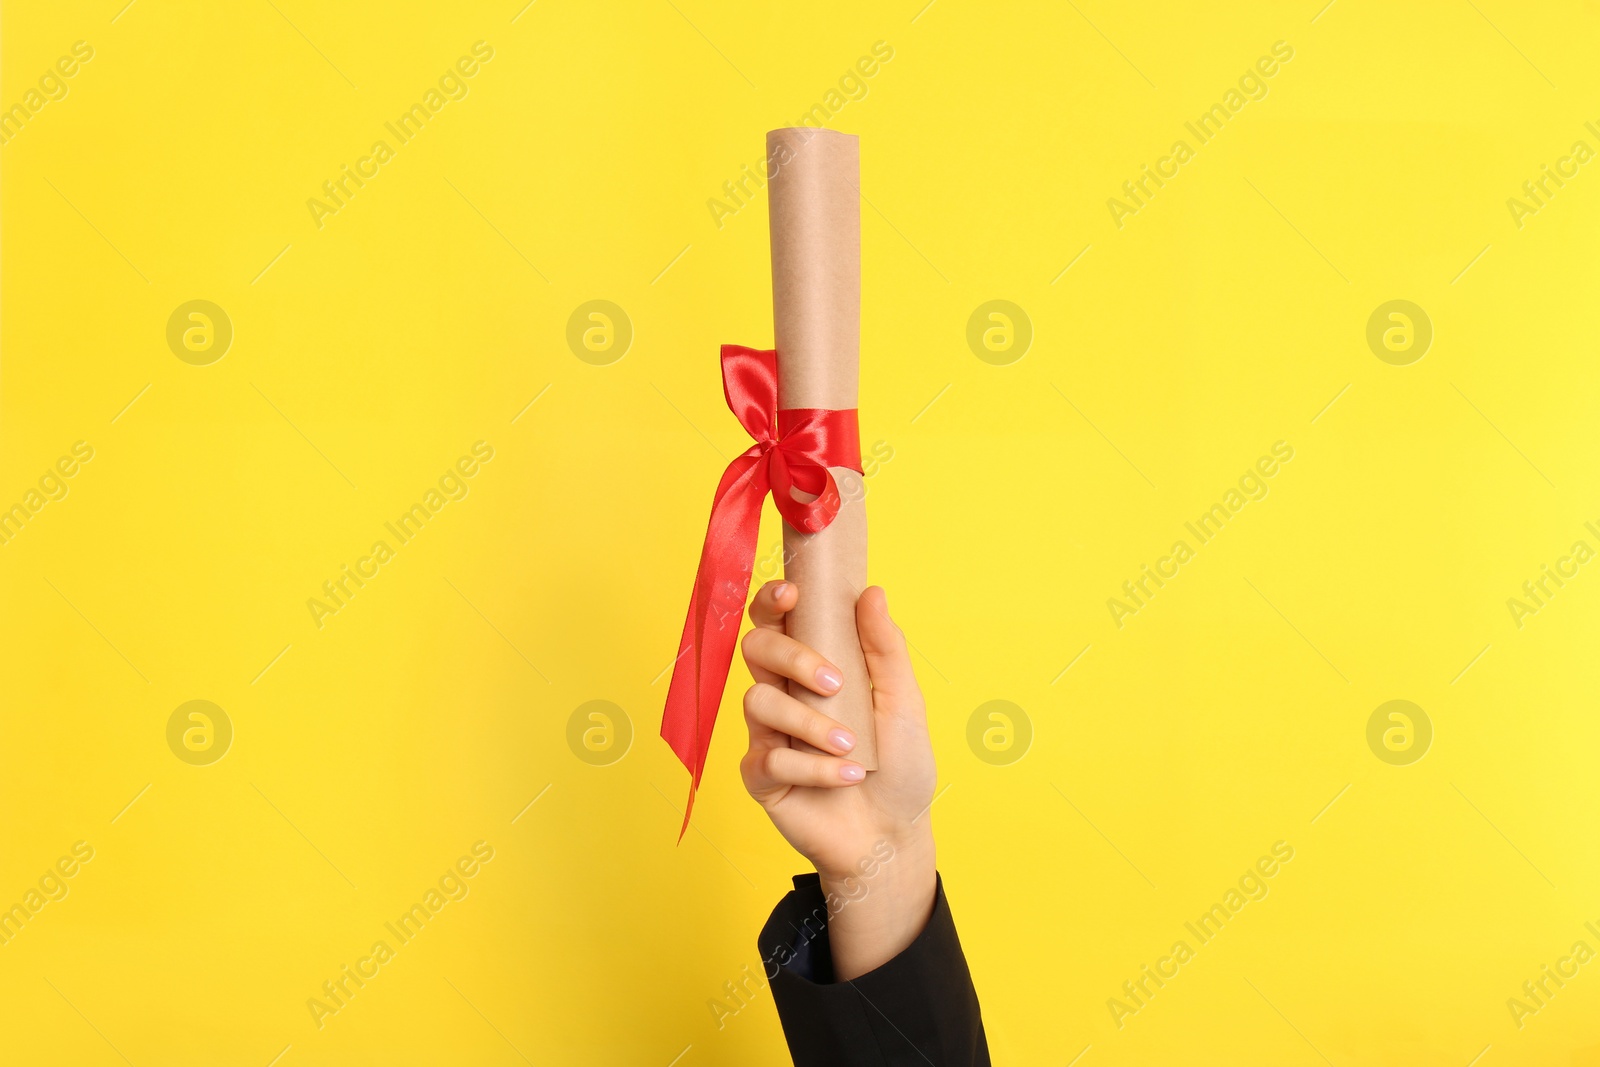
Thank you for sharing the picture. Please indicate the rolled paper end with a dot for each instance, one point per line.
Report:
(815, 194)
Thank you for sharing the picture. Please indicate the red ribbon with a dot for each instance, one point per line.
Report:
(793, 450)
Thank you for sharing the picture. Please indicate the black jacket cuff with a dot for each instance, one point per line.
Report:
(918, 1008)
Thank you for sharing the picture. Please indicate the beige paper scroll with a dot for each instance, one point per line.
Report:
(816, 310)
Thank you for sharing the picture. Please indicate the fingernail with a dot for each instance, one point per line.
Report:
(851, 772)
(842, 740)
(779, 589)
(828, 678)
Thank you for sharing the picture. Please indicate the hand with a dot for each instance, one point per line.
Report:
(829, 808)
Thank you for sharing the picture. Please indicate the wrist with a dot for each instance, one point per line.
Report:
(877, 909)
(889, 858)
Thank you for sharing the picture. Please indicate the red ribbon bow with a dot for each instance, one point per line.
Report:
(793, 450)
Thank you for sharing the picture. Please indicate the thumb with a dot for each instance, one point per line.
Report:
(884, 645)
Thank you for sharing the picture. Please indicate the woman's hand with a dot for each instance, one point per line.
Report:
(836, 814)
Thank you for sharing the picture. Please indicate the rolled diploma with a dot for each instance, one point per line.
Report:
(816, 312)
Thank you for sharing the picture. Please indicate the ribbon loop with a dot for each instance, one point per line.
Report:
(793, 450)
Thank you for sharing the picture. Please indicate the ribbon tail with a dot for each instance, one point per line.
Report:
(716, 609)
(688, 809)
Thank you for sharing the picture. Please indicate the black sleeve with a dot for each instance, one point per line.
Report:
(919, 1008)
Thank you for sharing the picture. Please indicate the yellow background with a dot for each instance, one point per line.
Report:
(370, 353)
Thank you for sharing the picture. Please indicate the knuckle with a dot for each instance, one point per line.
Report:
(813, 724)
(758, 698)
(796, 655)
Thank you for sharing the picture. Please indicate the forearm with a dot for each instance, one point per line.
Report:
(885, 911)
